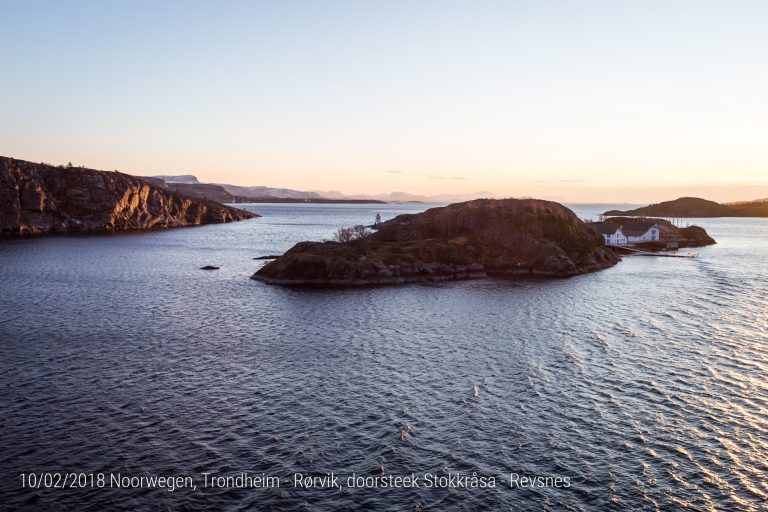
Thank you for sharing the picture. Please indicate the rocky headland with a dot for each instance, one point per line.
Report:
(40, 198)
(474, 239)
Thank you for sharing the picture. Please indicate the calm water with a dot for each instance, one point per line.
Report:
(645, 384)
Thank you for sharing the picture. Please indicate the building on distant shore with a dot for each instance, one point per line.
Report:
(628, 233)
(612, 234)
(638, 231)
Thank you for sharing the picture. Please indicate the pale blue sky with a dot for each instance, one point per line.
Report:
(570, 100)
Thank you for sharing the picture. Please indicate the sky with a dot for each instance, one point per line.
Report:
(605, 101)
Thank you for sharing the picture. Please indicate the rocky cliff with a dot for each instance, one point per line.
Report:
(40, 198)
(507, 237)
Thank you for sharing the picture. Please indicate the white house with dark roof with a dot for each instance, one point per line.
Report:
(631, 232)
(612, 234)
(641, 231)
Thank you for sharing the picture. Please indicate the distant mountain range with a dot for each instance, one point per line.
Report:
(698, 207)
(186, 178)
(405, 197)
(226, 193)
(190, 183)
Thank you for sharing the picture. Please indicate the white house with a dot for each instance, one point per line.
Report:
(641, 231)
(612, 234)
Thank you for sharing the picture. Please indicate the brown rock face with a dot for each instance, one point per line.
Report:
(507, 237)
(39, 198)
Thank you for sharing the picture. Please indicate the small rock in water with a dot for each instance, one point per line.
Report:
(405, 433)
(209, 267)
(270, 257)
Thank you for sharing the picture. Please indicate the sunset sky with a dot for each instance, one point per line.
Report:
(608, 101)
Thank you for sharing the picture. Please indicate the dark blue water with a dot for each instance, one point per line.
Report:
(646, 385)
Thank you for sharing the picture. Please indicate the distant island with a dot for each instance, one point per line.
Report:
(484, 237)
(39, 198)
(697, 207)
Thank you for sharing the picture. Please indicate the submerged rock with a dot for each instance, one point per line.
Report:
(41, 198)
(475, 239)
(209, 267)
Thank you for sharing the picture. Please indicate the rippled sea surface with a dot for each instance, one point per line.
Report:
(646, 384)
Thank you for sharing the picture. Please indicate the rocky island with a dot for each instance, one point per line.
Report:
(484, 237)
(41, 198)
(698, 207)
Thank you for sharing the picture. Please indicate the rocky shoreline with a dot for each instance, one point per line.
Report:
(41, 199)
